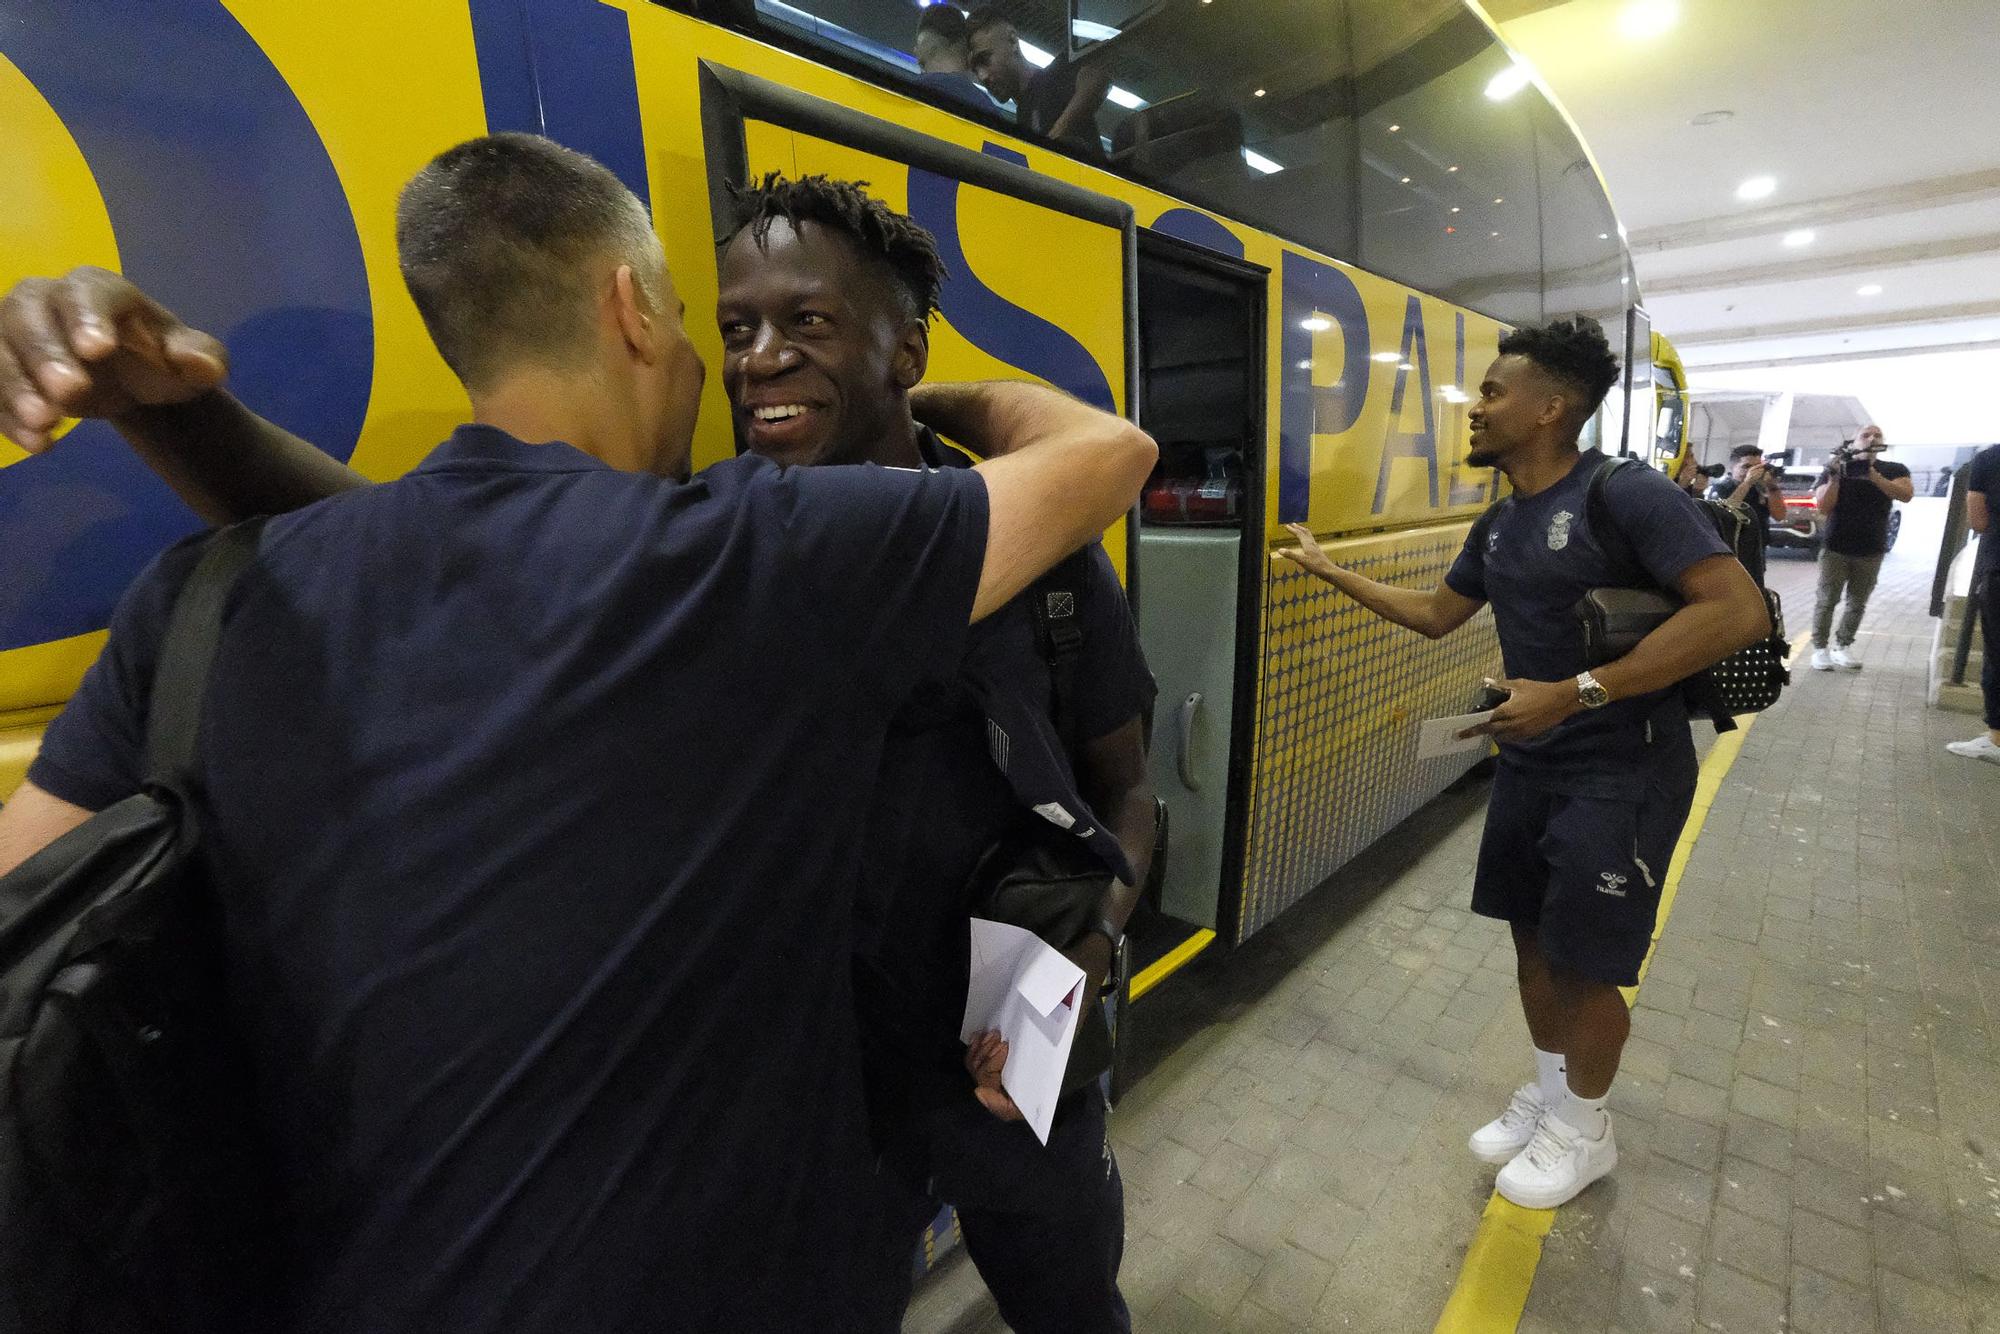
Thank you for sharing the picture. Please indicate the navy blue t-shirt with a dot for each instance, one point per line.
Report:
(1983, 476)
(534, 792)
(1538, 560)
(945, 797)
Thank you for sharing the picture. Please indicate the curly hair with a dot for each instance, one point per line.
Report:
(906, 251)
(1573, 351)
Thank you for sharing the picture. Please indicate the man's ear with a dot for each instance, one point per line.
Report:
(913, 355)
(635, 320)
(1553, 411)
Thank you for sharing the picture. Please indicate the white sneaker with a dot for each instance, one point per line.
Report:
(1979, 748)
(1843, 660)
(1557, 1164)
(1822, 660)
(1500, 1139)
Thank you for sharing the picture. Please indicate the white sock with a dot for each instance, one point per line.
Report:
(1586, 1114)
(1549, 1075)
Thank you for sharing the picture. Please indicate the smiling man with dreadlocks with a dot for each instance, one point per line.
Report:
(826, 300)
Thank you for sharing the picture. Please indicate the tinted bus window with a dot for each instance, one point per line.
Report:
(1447, 158)
(1244, 108)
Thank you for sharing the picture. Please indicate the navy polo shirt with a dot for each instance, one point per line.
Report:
(534, 793)
(1539, 559)
(967, 754)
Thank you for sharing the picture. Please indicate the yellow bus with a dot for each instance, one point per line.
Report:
(1286, 241)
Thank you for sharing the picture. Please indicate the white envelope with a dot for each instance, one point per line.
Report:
(1440, 736)
(1031, 993)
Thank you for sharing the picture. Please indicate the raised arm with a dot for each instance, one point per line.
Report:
(90, 344)
(1057, 473)
(1433, 614)
(1896, 488)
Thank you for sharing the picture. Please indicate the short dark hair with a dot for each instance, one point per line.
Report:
(1744, 452)
(984, 17)
(905, 251)
(496, 239)
(947, 22)
(1572, 351)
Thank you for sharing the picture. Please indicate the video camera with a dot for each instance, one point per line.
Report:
(1852, 461)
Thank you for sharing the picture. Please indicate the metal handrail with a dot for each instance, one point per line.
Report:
(1955, 531)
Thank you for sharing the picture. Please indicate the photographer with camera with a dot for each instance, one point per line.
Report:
(1750, 482)
(1854, 495)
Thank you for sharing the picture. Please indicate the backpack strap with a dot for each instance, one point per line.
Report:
(1057, 601)
(1605, 528)
(180, 681)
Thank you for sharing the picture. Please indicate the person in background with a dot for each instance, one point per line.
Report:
(1982, 504)
(941, 51)
(1749, 483)
(1058, 101)
(1853, 498)
(1689, 477)
(552, 1006)
(1597, 765)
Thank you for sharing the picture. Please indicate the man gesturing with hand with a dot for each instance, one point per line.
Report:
(1597, 768)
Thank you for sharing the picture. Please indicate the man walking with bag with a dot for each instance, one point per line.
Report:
(1597, 764)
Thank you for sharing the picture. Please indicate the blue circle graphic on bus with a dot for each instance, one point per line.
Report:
(227, 209)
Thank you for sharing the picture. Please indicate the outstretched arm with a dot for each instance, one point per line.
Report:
(90, 344)
(1432, 614)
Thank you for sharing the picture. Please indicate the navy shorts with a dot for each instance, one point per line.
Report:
(1586, 871)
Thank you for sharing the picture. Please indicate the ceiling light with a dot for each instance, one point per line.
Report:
(1035, 56)
(1604, 236)
(1496, 234)
(1508, 82)
(1386, 356)
(1757, 187)
(1258, 93)
(1869, 289)
(1092, 32)
(1451, 168)
(1648, 18)
(1406, 180)
(1394, 128)
(1126, 98)
(1258, 160)
(1305, 365)
(1802, 237)
(1404, 366)
(1316, 323)
(1454, 208)
(1624, 282)
(1499, 201)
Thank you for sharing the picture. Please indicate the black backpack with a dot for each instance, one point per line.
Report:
(1749, 680)
(134, 1194)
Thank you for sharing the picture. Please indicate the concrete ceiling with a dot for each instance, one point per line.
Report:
(1880, 123)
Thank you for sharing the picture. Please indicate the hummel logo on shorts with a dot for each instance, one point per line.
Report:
(1614, 884)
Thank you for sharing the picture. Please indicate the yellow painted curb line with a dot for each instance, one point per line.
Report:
(1157, 972)
(1499, 1268)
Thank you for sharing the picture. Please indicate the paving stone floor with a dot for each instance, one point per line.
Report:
(1809, 1112)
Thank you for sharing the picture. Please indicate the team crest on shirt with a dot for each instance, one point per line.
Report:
(1614, 884)
(1559, 529)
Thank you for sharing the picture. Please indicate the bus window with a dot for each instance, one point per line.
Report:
(1243, 109)
(1447, 158)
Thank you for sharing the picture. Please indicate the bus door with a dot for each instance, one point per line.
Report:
(1201, 553)
(1039, 283)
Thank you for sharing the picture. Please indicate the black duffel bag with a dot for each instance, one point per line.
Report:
(134, 1192)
